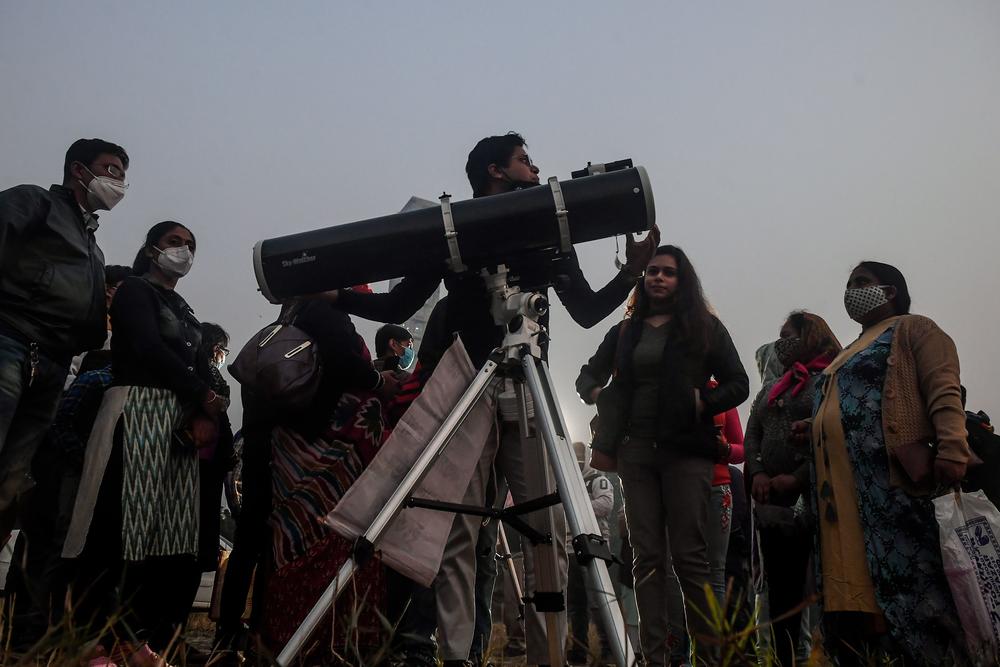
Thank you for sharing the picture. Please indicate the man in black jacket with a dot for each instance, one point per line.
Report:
(52, 301)
(497, 165)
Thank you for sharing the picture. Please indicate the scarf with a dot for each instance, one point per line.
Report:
(796, 378)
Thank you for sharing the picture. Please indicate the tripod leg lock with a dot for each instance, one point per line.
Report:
(589, 547)
(363, 551)
(546, 602)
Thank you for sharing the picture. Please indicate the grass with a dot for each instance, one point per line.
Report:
(732, 642)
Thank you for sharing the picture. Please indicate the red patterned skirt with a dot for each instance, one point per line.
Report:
(309, 478)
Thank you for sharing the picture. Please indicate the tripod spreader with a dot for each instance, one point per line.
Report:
(509, 515)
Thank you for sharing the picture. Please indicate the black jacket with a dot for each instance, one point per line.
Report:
(683, 372)
(467, 310)
(51, 272)
(156, 341)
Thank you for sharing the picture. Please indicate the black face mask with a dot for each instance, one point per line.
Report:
(788, 350)
(518, 185)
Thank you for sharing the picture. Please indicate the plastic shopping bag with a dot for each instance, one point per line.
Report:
(969, 526)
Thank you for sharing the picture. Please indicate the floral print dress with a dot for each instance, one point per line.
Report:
(900, 532)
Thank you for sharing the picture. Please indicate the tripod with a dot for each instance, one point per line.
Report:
(519, 358)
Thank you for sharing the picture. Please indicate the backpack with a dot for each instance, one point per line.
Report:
(985, 444)
(280, 364)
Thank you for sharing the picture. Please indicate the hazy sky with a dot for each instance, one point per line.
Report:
(785, 141)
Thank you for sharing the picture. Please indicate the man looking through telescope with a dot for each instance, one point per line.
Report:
(497, 165)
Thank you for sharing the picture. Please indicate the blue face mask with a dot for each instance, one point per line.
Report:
(406, 360)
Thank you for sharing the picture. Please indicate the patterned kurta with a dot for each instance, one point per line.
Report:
(901, 542)
(160, 480)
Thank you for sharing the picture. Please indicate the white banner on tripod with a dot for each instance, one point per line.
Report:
(414, 543)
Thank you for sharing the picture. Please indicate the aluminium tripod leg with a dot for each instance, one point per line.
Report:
(452, 422)
(576, 503)
(508, 559)
(550, 563)
(518, 460)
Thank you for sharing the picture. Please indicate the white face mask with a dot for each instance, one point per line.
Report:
(104, 192)
(175, 262)
(863, 300)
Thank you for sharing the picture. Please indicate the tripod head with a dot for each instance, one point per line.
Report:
(518, 313)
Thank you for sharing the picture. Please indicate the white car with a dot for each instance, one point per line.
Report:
(203, 600)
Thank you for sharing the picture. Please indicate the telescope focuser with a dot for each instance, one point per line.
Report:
(601, 168)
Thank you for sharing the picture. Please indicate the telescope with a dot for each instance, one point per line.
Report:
(605, 200)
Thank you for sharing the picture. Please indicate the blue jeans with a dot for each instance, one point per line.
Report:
(26, 413)
(720, 519)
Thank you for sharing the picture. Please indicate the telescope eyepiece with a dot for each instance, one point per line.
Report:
(538, 304)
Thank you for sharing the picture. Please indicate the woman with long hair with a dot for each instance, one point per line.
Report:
(136, 513)
(882, 402)
(656, 428)
(778, 469)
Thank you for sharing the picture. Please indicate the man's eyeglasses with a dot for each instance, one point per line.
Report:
(667, 271)
(112, 170)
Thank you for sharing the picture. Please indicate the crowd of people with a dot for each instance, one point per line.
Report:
(116, 448)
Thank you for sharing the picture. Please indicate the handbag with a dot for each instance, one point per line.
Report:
(280, 364)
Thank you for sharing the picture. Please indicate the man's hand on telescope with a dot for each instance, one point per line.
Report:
(638, 253)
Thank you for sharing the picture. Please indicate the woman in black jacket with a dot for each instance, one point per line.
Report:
(656, 428)
(136, 514)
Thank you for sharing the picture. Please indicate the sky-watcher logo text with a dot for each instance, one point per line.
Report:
(304, 259)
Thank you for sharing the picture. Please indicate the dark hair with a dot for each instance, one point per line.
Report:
(491, 150)
(85, 151)
(211, 335)
(389, 332)
(142, 262)
(816, 335)
(688, 306)
(115, 273)
(890, 275)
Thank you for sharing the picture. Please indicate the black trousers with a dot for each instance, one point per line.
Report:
(46, 512)
(146, 600)
(786, 562)
(252, 542)
(581, 612)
